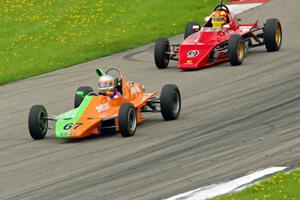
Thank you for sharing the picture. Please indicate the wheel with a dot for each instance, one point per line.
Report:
(170, 102)
(127, 120)
(272, 35)
(236, 50)
(78, 99)
(189, 29)
(161, 58)
(38, 122)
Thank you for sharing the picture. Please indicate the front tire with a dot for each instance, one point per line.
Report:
(78, 99)
(236, 50)
(38, 122)
(161, 58)
(127, 120)
(170, 102)
(272, 35)
(189, 29)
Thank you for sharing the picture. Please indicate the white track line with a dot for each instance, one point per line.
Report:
(226, 187)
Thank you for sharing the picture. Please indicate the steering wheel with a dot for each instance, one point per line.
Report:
(222, 7)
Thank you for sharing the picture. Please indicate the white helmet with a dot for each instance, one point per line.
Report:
(106, 84)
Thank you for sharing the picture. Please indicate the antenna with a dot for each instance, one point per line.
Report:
(221, 2)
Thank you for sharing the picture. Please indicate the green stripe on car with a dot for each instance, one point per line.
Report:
(67, 120)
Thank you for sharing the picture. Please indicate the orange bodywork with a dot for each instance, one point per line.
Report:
(102, 108)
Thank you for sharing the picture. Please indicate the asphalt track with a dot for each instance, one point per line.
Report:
(234, 120)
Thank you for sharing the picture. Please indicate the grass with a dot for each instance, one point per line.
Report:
(278, 187)
(41, 36)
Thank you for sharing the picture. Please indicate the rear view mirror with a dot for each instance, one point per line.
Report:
(196, 27)
(80, 93)
(207, 18)
(100, 72)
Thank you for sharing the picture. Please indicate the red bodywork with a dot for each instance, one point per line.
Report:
(207, 46)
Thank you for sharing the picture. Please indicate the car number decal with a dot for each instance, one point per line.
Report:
(69, 126)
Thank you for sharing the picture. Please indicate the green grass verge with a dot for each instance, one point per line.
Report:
(41, 36)
(278, 187)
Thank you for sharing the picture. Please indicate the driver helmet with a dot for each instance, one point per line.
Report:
(107, 85)
(219, 18)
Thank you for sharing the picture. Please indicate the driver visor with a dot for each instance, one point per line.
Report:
(105, 84)
(218, 19)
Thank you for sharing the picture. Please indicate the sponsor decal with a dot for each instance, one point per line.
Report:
(134, 90)
(64, 134)
(189, 62)
(67, 134)
(193, 53)
(245, 28)
(102, 107)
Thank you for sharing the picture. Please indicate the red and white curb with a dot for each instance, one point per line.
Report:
(239, 6)
(214, 190)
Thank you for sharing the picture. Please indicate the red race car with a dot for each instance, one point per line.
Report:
(220, 39)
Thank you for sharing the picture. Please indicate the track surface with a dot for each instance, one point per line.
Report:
(234, 120)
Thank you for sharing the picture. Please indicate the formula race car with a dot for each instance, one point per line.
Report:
(117, 106)
(220, 39)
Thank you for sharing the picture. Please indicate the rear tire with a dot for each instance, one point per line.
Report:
(78, 99)
(38, 122)
(127, 120)
(272, 35)
(161, 58)
(189, 29)
(170, 102)
(236, 50)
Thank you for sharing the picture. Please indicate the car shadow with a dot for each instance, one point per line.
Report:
(254, 52)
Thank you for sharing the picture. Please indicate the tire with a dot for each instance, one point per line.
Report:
(161, 59)
(236, 50)
(272, 35)
(127, 120)
(37, 122)
(170, 102)
(78, 99)
(189, 29)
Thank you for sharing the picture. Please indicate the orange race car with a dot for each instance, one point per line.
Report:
(117, 105)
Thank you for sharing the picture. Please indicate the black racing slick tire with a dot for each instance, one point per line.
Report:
(127, 120)
(189, 29)
(161, 58)
(272, 35)
(170, 102)
(236, 50)
(38, 122)
(78, 99)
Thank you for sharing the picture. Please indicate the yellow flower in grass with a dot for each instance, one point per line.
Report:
(282, 187)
